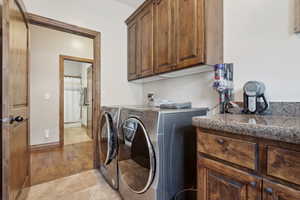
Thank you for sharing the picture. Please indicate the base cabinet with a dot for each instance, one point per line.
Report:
(217, 181)
(223, 174)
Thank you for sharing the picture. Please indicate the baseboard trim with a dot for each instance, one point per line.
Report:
(44, 147)
(83, 126)
(25, 189)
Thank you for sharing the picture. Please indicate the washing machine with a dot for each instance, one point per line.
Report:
(107, 144)
(157, 152)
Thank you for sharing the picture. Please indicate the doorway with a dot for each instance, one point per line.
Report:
(53, 155)
(76, 92)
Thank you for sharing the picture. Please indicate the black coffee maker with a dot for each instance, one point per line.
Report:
(255, 101)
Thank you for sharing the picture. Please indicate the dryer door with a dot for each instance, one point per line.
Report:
(136, 156)
(107, 140)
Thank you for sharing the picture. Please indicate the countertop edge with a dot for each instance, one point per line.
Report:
(283, 134)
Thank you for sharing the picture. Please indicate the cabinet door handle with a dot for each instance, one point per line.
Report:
(220, 141)
(269, 190)
(253, 184)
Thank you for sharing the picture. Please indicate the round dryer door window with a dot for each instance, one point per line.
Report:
(107, 140)
(136, 156)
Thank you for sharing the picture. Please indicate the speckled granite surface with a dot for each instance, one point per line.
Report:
(281, 128)
(281, 108)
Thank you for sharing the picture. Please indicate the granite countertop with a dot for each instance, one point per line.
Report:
(280, 128)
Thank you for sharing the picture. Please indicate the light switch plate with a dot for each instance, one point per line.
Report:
(47, 96)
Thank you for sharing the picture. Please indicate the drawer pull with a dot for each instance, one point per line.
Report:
(253, 184)
(269, 190)
(220, 141)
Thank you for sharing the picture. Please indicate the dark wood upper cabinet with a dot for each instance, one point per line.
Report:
(218, 181)
(145, 41)
(167, 35)
(190, 32)
(165, 54)
(132, 50)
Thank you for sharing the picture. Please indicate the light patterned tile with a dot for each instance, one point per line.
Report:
(91, 178)
(88, 185)
(81, 195)
(104, 192)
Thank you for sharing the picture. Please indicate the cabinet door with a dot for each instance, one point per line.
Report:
(165, 54)
(217, 181)
(145, 41)
(273, 191)
(132, 50)
(190, 32)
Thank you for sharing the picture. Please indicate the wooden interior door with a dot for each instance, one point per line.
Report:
(90, 101)
(273, 191)
(15, 107)
(165, 54)
(145, 42)
(190, 36)
(218, 181)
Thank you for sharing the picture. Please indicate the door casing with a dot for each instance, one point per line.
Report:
(96, 36)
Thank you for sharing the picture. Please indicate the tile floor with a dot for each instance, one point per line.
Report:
(74, 135)
(88, 185)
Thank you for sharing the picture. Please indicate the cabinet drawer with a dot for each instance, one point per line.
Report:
(284, 164)
(275, 191)
(236, 151)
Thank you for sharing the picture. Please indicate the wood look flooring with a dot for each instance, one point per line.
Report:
(89, 185)
(61, 162)
(74, 135)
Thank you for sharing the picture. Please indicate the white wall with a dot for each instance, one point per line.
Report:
(259, 40)
(107, 17)
(46, 46)
(72, 68)
(195, 88)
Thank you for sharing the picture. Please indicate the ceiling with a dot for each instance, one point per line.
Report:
(131, 3)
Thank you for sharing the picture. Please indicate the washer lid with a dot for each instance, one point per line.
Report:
(136, 156)
(107, 139)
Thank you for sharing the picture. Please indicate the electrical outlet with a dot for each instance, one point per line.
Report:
(47, 133)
